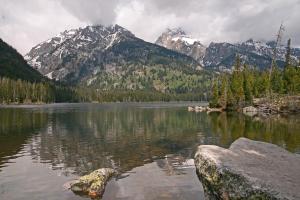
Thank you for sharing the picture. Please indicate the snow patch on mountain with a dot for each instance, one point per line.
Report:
(188, 40)
(91, 80)
(50, 75)
(34, 63)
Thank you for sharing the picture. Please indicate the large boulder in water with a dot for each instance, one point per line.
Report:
(94, 183)
(248, 170)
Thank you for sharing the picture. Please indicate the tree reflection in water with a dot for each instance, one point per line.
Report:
(84, 138)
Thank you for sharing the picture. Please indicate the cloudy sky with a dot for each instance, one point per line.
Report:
(25, 23)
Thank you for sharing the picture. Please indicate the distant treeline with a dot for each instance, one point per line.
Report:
(90, 95)
(237, 89)
(19, 92)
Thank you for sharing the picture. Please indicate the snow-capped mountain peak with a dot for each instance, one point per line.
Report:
(177, 39)
(70, 42)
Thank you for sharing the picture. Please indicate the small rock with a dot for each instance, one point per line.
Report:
(248, 170)
(94, 183)
(250, 109)
(190, 109)
(200, 109)
(209, 110)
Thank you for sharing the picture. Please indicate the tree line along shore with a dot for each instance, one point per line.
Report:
(247, 86)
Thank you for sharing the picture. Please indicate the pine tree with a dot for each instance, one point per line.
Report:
(290, 73)
(237, 83)
(223, 92)
(290, 80)
(215, 94)
(288, 54)
(277, 81)
(230, 99)
(237, 63)
(247, 85)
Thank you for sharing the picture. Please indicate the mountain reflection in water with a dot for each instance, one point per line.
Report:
(75, 139)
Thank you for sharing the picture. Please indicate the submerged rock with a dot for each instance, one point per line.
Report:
(248, 170)
(94, 183)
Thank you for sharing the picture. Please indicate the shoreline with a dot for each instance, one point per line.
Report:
(285, 105)
(104, 103)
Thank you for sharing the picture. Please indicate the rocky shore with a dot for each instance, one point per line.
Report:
(261, 106)
(248, 170)
(279, 105)
(204, 109)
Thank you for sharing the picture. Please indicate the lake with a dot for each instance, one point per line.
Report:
(152, 144)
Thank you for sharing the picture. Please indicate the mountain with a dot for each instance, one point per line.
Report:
(254, 53)
(13, 65)
(177, 40)
(221, 56)
(111, 57)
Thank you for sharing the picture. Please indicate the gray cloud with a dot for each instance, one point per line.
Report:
(92, 11)
(24, 23)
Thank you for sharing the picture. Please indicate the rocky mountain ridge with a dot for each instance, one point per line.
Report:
(221, 55)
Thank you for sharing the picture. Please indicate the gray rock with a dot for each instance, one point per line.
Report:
(209, 110)
(248, 170)
(94, 183)
(250, 111)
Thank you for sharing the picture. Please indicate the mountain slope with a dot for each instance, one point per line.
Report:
(178, 40)
(13, 65)
(113, 58)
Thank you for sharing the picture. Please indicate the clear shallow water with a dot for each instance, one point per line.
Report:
(43, 147)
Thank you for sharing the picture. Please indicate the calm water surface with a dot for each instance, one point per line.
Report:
(151, 144)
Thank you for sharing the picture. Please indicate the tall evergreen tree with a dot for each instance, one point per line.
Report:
(214, 102)
(288, 54)
(223, 92)
(290, 80)
(247, 85)
(230, 99)
(263, 78)
(290, 73)
(237, 83)
(277, 85)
